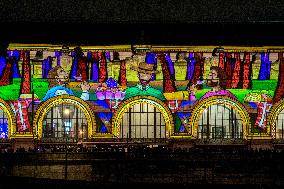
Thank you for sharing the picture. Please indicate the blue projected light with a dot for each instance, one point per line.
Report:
(102, 103)
(2, 64)
(151, 59)
(89, 56)
(95, 71)
(265, 67)
(268, 66)
(16, 73)
(103, 129)
(4, 130)
(190, 66)
(171, 65)
(74, 68)
(58, 54)
(183, 114)
(17, 55)
(186, 102)
(46, 67)
(105, 117)
(182, 129)
(111, 83)
(107, 54)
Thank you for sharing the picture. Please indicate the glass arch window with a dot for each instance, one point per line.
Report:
(220, 121)
(142, 121)
(65, 121)
(3, 124)
(279, 126)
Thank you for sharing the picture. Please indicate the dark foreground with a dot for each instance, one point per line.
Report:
(143, 168)
(31, 183)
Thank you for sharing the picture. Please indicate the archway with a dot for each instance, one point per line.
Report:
(219, 117)
(65, 116)
(143, 117)
(276, 120)
(7, 121)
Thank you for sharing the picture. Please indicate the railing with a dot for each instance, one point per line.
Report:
(222, 141)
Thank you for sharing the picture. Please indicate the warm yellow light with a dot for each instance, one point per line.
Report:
(66, 111)
(81, 132)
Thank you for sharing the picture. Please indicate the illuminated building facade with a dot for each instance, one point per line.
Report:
(249, 107)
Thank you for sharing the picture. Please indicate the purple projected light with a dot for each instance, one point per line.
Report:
(111, 83)
(171, 65)
(190, 66)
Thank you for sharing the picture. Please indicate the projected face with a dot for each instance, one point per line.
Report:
(144, 78)
(192, 88)
(62, 76)
(213, 79)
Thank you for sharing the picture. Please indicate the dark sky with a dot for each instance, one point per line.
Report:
(143, 11)
(202, 22)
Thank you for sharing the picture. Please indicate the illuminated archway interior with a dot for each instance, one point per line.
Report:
(144, 118)
(279, 126)
(65, 116)
(142, 121)
(65, 120)
(220, 121)
(219, 118)
(3, 124)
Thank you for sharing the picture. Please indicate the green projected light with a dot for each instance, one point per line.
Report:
(182, 78)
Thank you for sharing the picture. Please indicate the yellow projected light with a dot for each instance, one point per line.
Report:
(64, 99)
(206, 103)
(273, 116)
(10, 117)
(125, 105)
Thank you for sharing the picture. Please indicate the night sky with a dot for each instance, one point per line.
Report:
(167, 22)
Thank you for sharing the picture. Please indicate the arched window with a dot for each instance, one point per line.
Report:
(143, 121)
(279, 125)
(143, 118)
(219, 117)
(7, 121)
(64, 117)
(276, 120)
(65, 120)
(3, 124)
(220, 121)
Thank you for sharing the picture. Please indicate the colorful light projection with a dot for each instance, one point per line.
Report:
(45, 107)
(7, 121)
(205, 104)
(143, 100)
(250, 71)
(275, 120)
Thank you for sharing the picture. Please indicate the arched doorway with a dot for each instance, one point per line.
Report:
(63, 117)
(276, 120)
(219, 117)
(7, 121)
(143, 118)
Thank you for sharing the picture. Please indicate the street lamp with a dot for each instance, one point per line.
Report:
(66, 115)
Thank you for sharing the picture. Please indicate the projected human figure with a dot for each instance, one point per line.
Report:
(217, 79)
(145, 72)
(58, 80)
(218, 120)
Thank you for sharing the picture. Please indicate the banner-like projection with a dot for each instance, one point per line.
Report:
(145, 93)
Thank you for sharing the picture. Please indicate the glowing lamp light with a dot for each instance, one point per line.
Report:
(66, 111)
